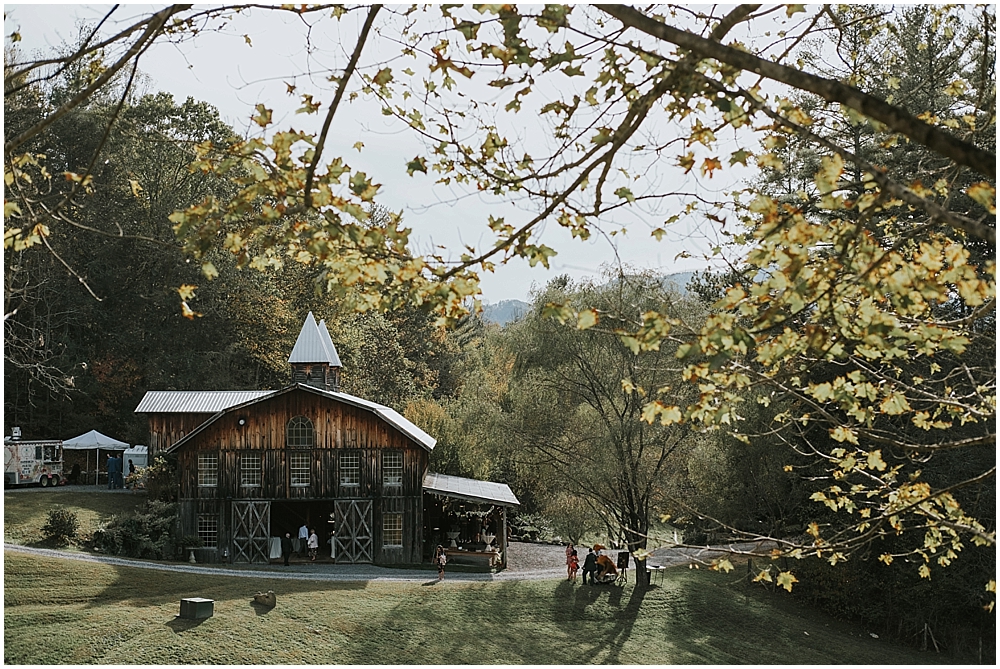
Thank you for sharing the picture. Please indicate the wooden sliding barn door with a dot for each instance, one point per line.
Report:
(354, 530)
(251, 532)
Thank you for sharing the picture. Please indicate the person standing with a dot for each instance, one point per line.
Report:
(313, 544)
(286, 546)
(569, 553)
(589, 566)
(574, 565)
(303, 539)
(440, 559)
(111, 472)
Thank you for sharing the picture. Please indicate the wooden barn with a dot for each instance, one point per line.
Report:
(256, 464)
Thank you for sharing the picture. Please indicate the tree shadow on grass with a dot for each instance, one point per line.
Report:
(613, 638)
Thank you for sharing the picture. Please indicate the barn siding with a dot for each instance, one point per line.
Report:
(338, 427)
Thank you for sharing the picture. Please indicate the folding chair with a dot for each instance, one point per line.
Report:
(623, 560)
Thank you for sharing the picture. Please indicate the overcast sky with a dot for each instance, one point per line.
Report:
(222, 69)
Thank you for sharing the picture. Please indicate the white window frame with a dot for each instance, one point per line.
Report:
(300, 476)
(300, 433)
(392, 476)
(392, 527)
(251, 476)
(208, 470)
(350, 469)
(208, 530)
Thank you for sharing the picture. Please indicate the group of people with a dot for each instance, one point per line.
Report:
(596, 564)
(305, 542)
(116, 477)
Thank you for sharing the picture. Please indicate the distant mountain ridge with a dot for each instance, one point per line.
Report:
(506, 311)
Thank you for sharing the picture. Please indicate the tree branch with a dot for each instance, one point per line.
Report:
(155, 26)
(897, 119)
(348, 72)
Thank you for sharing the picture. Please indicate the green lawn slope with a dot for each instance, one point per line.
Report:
(26, 511)
(70, 612)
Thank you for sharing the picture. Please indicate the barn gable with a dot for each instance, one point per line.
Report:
(341, 438)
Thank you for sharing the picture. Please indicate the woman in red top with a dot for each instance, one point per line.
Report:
(569, 553)
(574, 565)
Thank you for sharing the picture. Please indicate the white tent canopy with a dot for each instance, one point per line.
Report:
(94, 439)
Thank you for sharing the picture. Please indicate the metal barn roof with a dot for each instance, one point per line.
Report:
(470, 489)
(314, 344)
(334, 358)
(195, 401)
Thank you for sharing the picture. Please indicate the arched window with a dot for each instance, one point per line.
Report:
(299, 433)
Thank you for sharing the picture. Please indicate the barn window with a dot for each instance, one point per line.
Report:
(298, 467)
(250, 470)
(208, 470)
(350, 468)
(392, 530)
(208, 530)
(299, 433)
(392, 468)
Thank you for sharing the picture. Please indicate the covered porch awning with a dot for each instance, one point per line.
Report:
(470, 490)
(469, 532)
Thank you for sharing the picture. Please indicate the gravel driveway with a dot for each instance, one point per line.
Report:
(525, 562)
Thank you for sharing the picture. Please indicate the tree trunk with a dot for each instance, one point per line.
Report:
(636, 536)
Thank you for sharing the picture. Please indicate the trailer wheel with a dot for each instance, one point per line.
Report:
(55, 480)
(44, 481)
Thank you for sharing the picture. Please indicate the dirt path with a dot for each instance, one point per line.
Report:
(527, 562)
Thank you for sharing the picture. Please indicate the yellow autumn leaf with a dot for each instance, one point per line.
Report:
(586, 319)
(187, 312)
(786, 579)
(670, 415)
(984, 194)
(842, 433)
(763, 575)
(895, 404)
(875, 460)
(723, 565)
(831, 167)
(186, 291)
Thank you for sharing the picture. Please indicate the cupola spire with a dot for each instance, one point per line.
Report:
(314, 358)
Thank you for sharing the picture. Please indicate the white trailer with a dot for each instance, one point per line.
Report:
(32, 461)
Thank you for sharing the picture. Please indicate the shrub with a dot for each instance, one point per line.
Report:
(161, 480)
(147, 533)
(190, 541)
(62, 526)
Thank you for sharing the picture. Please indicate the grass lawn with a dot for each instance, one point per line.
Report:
(69, 612)
(25, 512)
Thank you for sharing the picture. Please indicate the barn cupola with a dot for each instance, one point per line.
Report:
(314, 358)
